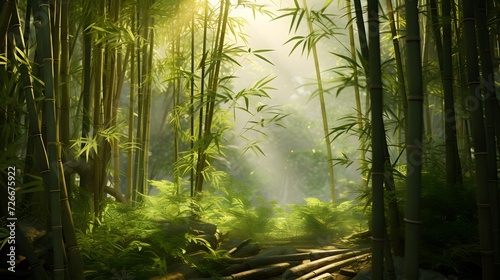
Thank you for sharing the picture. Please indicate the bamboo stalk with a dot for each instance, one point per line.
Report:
(147, 119)
(378, 136)
(35, 134)
(324, 117)
(414, 141)
(44, 49)
(191, 100)
(479, 136)
(490, 100)
(213, 85)
(359, 110)
(198, 170)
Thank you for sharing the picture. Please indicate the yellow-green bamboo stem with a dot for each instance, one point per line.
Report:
(324, 116)
(130, 152)
(213, 85)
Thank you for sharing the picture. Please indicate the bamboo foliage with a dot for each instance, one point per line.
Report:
(213, 84)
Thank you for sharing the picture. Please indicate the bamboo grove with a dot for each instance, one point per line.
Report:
(80, 80)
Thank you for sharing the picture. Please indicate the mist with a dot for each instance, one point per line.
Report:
(301, 136)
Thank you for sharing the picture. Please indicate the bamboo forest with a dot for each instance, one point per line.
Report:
(249, 139)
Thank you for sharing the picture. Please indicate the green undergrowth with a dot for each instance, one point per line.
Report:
(131, 242)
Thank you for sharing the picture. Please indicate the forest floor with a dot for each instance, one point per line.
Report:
(299, 258)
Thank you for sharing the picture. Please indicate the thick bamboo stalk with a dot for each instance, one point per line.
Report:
(44, 49)
(378, 135)
(34, 132)
(74, 255)
(35, 265)
(453, 166)
(359, 110)
(488, 83)
(475, 104)
(414, 141)
(360, 23)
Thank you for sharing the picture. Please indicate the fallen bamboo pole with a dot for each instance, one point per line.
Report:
(289, 257)
(302, 269)
(331, 267)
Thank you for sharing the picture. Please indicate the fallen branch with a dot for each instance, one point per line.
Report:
(302, 269)
(331, 267)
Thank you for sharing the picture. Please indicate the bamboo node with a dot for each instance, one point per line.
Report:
(489, 252)
(483, 205)
(412, 38)
(412, 221)
(415, 98)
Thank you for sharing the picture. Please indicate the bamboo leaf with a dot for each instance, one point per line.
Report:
(263, 58)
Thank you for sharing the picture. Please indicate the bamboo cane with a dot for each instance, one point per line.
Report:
(378, 135)
(44, 49)
(414, 144)
(324, 117)
(329, 268)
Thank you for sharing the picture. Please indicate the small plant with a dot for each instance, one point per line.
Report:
(326, 221)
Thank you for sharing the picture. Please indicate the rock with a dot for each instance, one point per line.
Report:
(399, 267)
